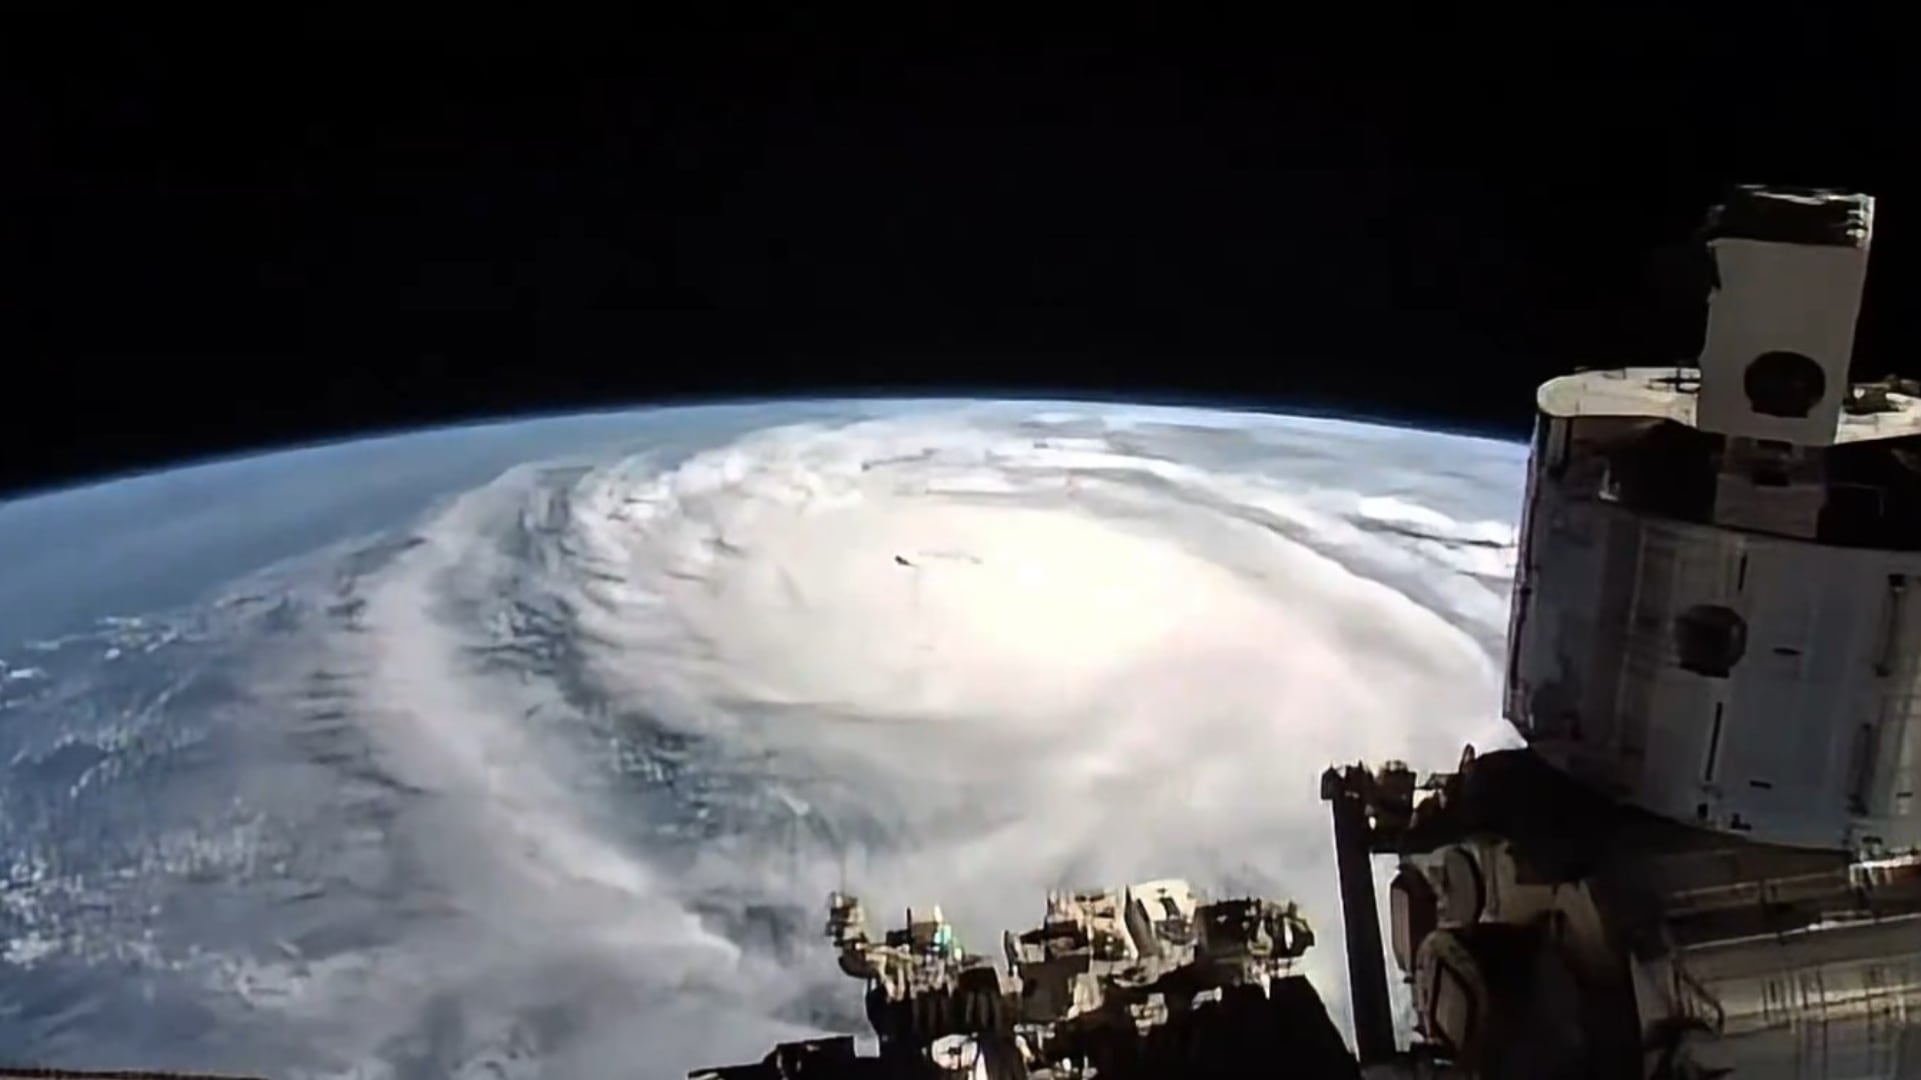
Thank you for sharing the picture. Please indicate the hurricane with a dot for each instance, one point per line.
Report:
(552, 778)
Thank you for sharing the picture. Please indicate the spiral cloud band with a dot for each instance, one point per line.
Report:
(956, 656)
(575, 761)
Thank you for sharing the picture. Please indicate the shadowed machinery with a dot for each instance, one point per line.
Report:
(1150, 980)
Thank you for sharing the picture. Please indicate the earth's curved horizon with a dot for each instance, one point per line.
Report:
(533, 746)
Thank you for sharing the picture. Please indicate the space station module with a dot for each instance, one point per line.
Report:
(1704, 862)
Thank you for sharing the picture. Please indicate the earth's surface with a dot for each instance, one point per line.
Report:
(533, 749)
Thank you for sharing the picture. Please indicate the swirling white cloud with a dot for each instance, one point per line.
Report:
(956, 654)
(543, 785)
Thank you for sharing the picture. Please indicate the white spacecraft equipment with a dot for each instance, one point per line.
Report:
(1152, 980)
(1705, 862)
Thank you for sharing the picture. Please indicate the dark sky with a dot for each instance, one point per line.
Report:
(334, 229)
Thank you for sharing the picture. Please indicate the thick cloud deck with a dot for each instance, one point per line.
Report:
(981, 654)
(639, 716)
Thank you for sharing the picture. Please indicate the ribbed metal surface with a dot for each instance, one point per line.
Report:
(1833, 1003)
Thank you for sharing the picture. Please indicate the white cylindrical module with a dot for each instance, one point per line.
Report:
(1759, 684)
(1717, 613)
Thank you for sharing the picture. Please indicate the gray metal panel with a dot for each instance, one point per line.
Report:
(1784, 299)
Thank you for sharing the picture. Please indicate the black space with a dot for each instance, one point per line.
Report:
(233, 235)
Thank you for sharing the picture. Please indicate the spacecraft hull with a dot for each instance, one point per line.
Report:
(1759, 684)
